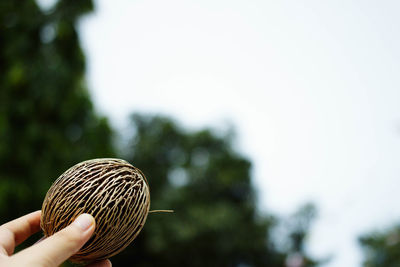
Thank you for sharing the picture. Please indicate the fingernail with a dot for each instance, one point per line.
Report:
(84, 221)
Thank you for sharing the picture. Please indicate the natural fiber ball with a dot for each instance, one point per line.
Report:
(114, 192)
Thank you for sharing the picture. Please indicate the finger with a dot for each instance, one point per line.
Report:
(103, 263)
(57, 248)
(15, 232)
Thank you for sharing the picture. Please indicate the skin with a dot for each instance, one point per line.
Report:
(50, 252)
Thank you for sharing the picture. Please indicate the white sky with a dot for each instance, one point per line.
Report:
(311, 86)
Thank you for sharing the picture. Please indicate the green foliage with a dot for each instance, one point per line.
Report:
(47, 122)
(382, 248)
(208, 185)
(298, 227)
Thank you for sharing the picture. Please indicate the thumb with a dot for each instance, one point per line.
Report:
(57, 248)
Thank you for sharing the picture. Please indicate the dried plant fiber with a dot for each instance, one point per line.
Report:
(113, 191)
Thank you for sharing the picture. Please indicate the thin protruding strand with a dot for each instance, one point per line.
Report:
(168, 211)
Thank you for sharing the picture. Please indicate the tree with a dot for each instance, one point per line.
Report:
(208, 184)
(381, 248)
(47, 120)
(297, 229)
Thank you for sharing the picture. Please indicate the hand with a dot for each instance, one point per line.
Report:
(50, 252)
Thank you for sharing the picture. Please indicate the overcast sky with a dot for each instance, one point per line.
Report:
(311, 86)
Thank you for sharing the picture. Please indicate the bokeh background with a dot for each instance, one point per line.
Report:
(272, 128)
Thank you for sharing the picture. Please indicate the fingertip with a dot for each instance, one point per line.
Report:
(85, 221)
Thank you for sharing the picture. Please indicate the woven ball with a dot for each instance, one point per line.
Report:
(113, 191)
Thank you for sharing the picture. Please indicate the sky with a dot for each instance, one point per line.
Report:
(311, 87)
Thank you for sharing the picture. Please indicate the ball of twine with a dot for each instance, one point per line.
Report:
(113, 191)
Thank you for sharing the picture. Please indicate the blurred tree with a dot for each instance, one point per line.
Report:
(382, 249)
(208, 184)
(47, 121)
(298, 228)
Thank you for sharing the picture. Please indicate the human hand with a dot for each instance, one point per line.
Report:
(50, 252)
